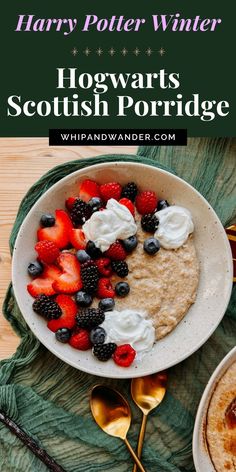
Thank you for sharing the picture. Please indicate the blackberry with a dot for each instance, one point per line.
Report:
(149, 222)
(80, 212)
(89, 276)
(103, 352)
(45, 306)
(90, 318)
(129, 191)
(120, 268)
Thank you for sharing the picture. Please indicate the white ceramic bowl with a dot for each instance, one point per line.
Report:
(201, 456)
(213, 252)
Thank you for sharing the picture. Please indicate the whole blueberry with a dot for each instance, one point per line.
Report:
(35, 268)
(95, 203)
(130, 243)
(122, 289)
(98, 335)
(106, 304)
(151, 246)
(93, 250)
(162, 204)
(47, 220)
(63, 335)
(83, 299)
(82, 256)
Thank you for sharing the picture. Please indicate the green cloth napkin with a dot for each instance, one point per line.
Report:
(49, 399)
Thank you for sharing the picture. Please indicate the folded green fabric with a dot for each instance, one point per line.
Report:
(49, 399)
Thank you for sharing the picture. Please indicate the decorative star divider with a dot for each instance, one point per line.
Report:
(112, 52)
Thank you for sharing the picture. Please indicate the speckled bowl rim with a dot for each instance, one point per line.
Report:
(201, 456)
(96, 367)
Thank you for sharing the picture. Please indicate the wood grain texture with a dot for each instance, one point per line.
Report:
(22, 162)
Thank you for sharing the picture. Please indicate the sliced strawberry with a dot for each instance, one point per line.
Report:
(70, 202)
(77, 238)
(69, 311)
(69, 281)
(59, 233)
(43, 283)
(89, 189)
(105, 289)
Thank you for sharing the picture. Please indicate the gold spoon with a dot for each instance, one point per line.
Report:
(112, 413)
(147, 392)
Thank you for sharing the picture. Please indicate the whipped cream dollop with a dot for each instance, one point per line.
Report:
(175, 225)
(105, 227)
(129, 327)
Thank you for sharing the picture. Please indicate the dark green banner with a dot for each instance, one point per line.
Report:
(156, 64)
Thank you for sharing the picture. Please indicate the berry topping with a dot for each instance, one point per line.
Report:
(80, 212)
(146, 202)
(130, 191)
(44, 283)
(110, 190)
(107, 304)
(35, 268)
(149, 222)
(63, 335)
(82, 256)
(80, 340)
(45, 306)
(77, 238)
(83, 299)
(104, 266)
(128, 204)
(47, 251)
(93, 250)
(130, 243)
(151, 246)
(124, 355)
(116, 252)
(90, 318)
(70, 202)
(95, 203)
(69, 311)
(47, 220)
(103, 352)
(162, 204)
(122, 289)
(120, 268)
(69, 281)
(59, 233)
(89, 189)
(89, 276)
(98, 335)
(105, 289)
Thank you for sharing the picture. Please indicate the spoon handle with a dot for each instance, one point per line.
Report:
(141, 439)
(136, 459)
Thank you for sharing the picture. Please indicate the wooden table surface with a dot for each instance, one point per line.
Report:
(22, 162)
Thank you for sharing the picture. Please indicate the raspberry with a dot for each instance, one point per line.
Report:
(120, 268)
(80, 212)
(70, 202)
(47, 251)
(80, 339)
(104, 266)
(105, 289)
(149, 222)
(146, 202)
(89, 276)
(90, 318)
(45, 306)
(103, 352)
(110, 190)
(124, 355)
(129, 191)
(128, 204)
(116, 252)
